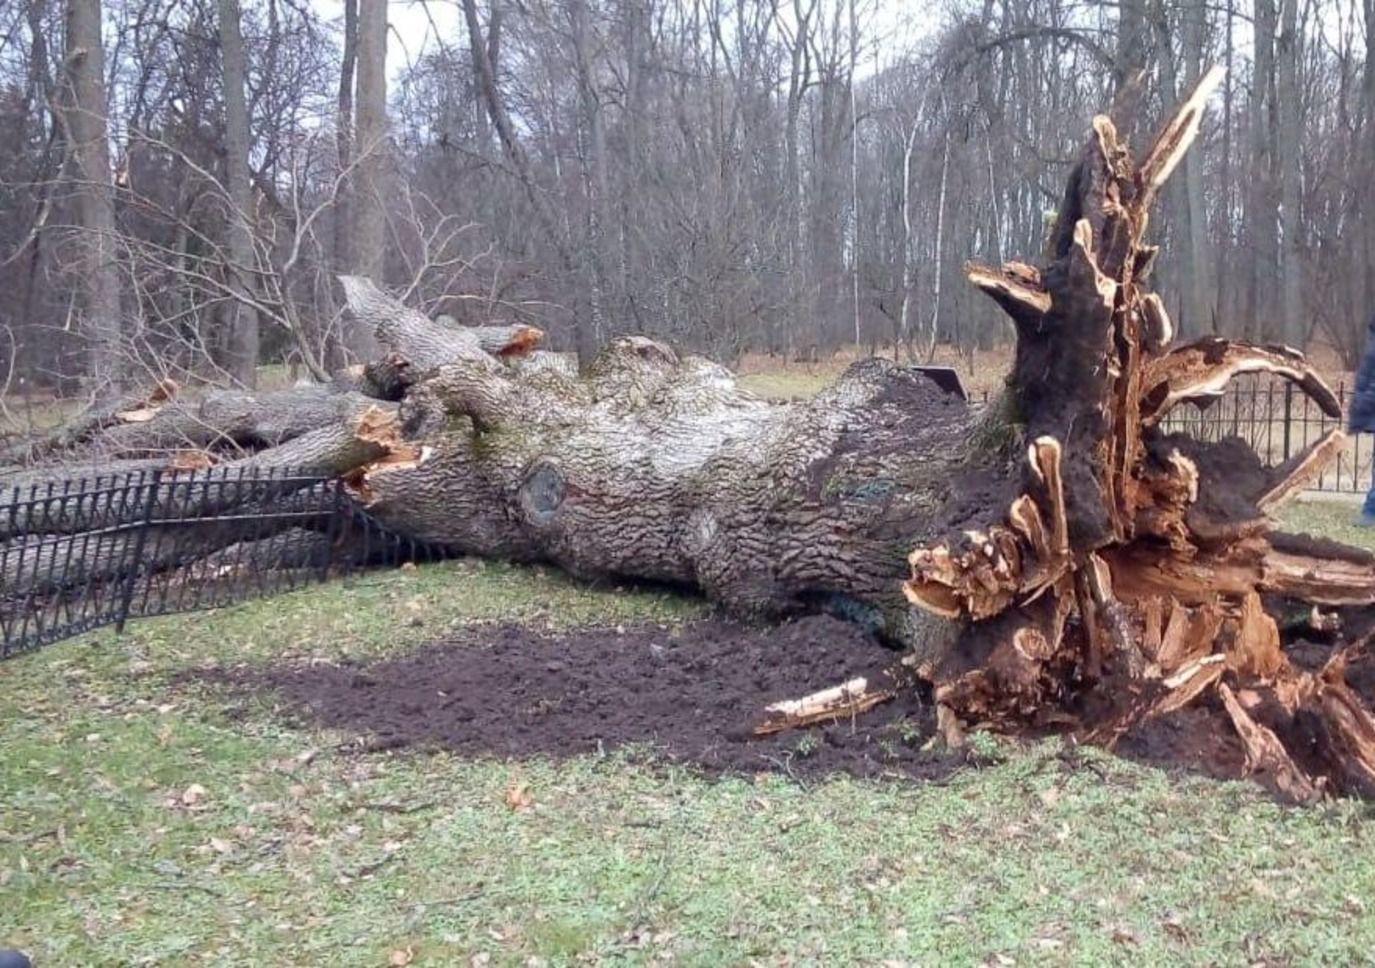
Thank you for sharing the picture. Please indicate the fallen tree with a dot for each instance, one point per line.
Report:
(1075, 567)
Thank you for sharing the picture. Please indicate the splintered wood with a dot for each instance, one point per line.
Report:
(1126, 580)
(838, 702)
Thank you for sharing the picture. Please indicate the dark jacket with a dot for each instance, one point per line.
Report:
(1362, 418)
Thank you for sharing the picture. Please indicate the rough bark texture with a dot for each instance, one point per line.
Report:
(368, 186)
(660, 468)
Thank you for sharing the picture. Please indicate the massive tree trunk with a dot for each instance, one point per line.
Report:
(1074, 567)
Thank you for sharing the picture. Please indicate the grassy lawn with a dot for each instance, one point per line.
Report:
(1335, 519)
(149, 821)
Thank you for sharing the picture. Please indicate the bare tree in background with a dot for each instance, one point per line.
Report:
(1294, 328)
(343, 138)
(723, 174)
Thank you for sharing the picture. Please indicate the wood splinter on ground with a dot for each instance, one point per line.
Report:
(837, 702)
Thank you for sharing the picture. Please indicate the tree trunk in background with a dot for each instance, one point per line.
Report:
(592, 145)
(1228, 300)
(1202, 295)
(369, 195)
(907, 269)
(1289, 153)
(241, 318)
(95, 207)
(854, 169)
(1177, 257)
(799, 80)
(1133, 43)
(1261, 229)
(1368, 178)
(343, 141)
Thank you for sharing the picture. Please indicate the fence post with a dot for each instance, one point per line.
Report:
(1288, 416)
(337, 526)
(140, 539)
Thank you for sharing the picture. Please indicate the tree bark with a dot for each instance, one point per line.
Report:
(343, 141)
(1262, 231)
(1289, 148)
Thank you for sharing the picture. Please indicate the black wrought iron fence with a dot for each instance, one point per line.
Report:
(1279, 421)
(79, 554)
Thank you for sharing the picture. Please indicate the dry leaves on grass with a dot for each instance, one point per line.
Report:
(518, 798)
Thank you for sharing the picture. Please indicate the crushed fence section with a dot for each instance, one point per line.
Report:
(79, 554)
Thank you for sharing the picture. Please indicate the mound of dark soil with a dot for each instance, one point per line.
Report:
(689, 696)
(692, 696)
(1201, 738)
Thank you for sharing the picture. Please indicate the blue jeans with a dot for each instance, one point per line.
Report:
(1368, 508)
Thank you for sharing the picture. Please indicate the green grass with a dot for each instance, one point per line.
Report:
(788, 384)
(146, 822)
(1334, 519)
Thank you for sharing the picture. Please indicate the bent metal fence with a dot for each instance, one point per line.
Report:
(1278, 422)
(79, 554)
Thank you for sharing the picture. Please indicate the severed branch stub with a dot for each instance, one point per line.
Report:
(1125, 577)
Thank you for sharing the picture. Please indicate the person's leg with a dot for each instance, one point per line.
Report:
(1368, 508)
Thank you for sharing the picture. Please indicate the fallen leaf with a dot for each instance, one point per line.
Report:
(401, 957)
(193, 794)
(518, 798)
(221, 846)
(1175, 929)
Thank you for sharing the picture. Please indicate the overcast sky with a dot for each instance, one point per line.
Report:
(414, 22)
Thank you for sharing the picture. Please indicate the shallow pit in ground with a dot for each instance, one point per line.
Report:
(689, 695)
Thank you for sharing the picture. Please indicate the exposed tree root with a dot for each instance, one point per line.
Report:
(1125, 580)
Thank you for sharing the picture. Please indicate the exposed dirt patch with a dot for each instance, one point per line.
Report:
(1197, 738)
(692, 696)
(1200, 737)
